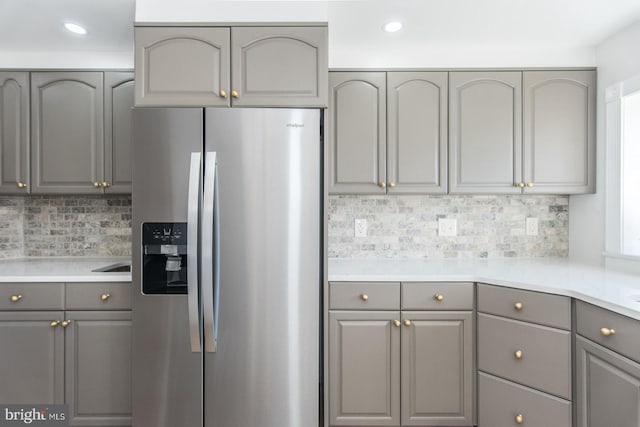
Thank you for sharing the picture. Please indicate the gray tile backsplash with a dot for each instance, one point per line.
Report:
(65, 226)
(406, 226)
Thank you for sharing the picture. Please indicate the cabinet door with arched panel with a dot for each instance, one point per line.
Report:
(14, 132)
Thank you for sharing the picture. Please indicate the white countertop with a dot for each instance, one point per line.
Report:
(61, 269)
(605, 288)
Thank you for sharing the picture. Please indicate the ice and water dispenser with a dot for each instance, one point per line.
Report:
(164, 258)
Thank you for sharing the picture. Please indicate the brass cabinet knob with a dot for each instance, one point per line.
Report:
(105, 297)
(65, 323)
(518, 306)
(382, 184)
(438, 297)
(16, 298)
(235, 94)
(518, 354)
(519, 419)
(21, 184)
(106, 184)
(54, 323)
(223, 94)
(396, 323)
(364, 297)
(407, 322)
(392, 184)
(520, 185)
(607, 332)
(97, 184)
(529, 184)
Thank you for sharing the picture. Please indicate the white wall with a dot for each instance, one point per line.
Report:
(617, 59)
(66, 59)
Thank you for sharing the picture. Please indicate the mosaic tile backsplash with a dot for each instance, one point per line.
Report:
(65, 226)
(406, 226)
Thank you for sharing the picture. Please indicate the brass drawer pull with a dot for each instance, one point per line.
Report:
(105, 297)
(396, 323)
(16, 298)
(519, 419)
(518, 354)
(518, 306)
(54, 323)
(407, 322)
(607, 332)
(65, 323)
(364, 297)
(438, 297)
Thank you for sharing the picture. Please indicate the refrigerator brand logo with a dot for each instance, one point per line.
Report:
(295, 125)
(42, 416)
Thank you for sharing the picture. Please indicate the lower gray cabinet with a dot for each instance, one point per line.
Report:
(98, 368)
(364, 368)
(608, 387)
(32, 358)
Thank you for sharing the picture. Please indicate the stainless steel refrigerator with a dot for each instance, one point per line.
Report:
(227, 216)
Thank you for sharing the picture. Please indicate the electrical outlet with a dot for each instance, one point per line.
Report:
(531, 226)
(447, 227)
(360, 227)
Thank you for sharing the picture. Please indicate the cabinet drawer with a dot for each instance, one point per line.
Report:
(597, 324)
(500, 402)
(533, 355)
(31, 296)
(537, 307)
(98, 296)
(364, 296)
(437, 296)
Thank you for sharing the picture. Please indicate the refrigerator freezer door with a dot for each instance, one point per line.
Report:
(167, 375)
(265, 372)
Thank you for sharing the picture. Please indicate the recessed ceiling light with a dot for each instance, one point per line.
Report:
(392, 27)
(75, 28)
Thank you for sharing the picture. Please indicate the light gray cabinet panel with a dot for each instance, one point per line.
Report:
(417, 132)
(357, 127)
(437, 369)
(279, 66)
(437, 296)
(32, 296)
(559, 131)
(67, 132)
(32, 355)
(98, 368)
(181, 66)
(14, 133)
(364, 296)
(505, 404)
(608, 387)
(533, 355)
(485, 132)
(118, 99)
(364, 369)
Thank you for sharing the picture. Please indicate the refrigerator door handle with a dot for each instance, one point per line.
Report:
(210, 252)
(193, 212)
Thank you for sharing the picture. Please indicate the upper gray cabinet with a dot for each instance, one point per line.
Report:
(67, 133)
(559, 131)
(485, 131)
(388, 132)
(279, 66)
(14, 132)
(182, 66)
(81, 132)
(357, 133)
(417, 132)
(119, 100)
(239, 66)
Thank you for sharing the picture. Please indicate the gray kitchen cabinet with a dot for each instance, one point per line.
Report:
(437, 368)
(357, 132)
(118, 101)
(32, 355)
(80, 357)
(67, 134)
(182, 66)
(559, 131)
(279, 66)
(239, 66)
(98, 368)
(417, 132)
(485, 132)
(14, 132)
(364, 368)
(608, 387)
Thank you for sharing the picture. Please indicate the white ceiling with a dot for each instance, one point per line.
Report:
(434, 26)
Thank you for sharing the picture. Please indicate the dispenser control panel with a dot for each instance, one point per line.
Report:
(164, 266)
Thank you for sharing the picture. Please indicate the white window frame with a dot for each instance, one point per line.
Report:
(614, 256)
